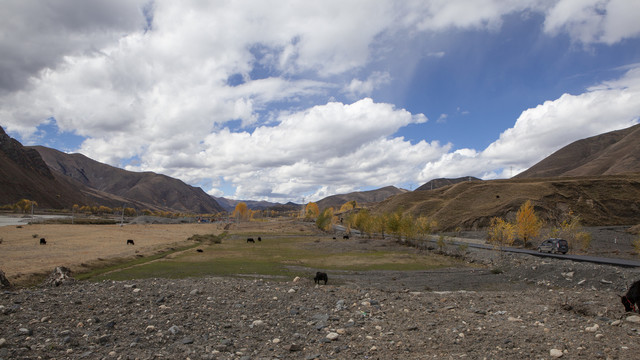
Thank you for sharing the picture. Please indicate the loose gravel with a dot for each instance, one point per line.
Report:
(502, 307)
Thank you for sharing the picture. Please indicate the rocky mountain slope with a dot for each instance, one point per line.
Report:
(146, 187)
(598, 200)
(616, 152)
(24, 175)
(230, 204)
(597, 178)
(361, 197)
(438, 183)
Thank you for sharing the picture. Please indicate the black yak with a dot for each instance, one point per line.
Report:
(250, 240)
(130, 242)
(320, 276)
(632, 298)
(43, 241)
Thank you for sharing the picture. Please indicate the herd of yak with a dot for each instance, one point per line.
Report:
(631, 300)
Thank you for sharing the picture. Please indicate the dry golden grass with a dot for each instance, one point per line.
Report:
(81, 247)
(100, 251)
(598, 200)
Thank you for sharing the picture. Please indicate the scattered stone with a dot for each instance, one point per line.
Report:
(103, 339)
(59, 276)
(556, 353)
(633, 319)
(4, 282)
(238, 318)
(593, 328)
(293, 347)
(296, 279)
(332, 336)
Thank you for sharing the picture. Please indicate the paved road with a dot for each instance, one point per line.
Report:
(480, 244)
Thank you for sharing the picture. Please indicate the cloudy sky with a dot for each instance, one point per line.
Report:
(292, 100)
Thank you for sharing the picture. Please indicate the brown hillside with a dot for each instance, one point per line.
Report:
(147, 187)
(616, 152)
(598, 200)
(24, 175)
(438, 183)
(361, 197)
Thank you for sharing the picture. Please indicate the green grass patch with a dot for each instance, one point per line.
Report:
(79, 221)
(101, 273)
(274, 256)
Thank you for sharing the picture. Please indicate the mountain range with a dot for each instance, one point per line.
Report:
(599, 177)
(616, 152)
(160, 191)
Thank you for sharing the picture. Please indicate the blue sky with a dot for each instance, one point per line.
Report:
(282, 101)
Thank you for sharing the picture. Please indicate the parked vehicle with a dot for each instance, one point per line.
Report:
(554, 245)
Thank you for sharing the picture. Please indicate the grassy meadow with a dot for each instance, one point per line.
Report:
(287, 249)
(277, 256)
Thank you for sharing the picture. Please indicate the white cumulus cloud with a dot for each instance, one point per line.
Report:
(243, 92)
(540, 131)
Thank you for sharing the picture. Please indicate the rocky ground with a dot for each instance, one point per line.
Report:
(499, 307)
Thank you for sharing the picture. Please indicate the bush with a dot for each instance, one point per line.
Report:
(210, 238)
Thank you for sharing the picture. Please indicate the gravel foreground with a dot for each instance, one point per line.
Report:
(510, 307)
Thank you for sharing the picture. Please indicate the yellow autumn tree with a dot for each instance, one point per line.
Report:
(241, 212)
(129, 211)
(501, 233)
(571, 230)
(527, 223)
(25, 205)
(324, 221)
(425, 226)
(349, 205)
(311, 211)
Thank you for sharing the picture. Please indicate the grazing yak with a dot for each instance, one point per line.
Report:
(43, 241)
(250, 240)
(199, 250)
(631, 300)
(259, 238)
(320, 276)
(346, 237)
(130, 242)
